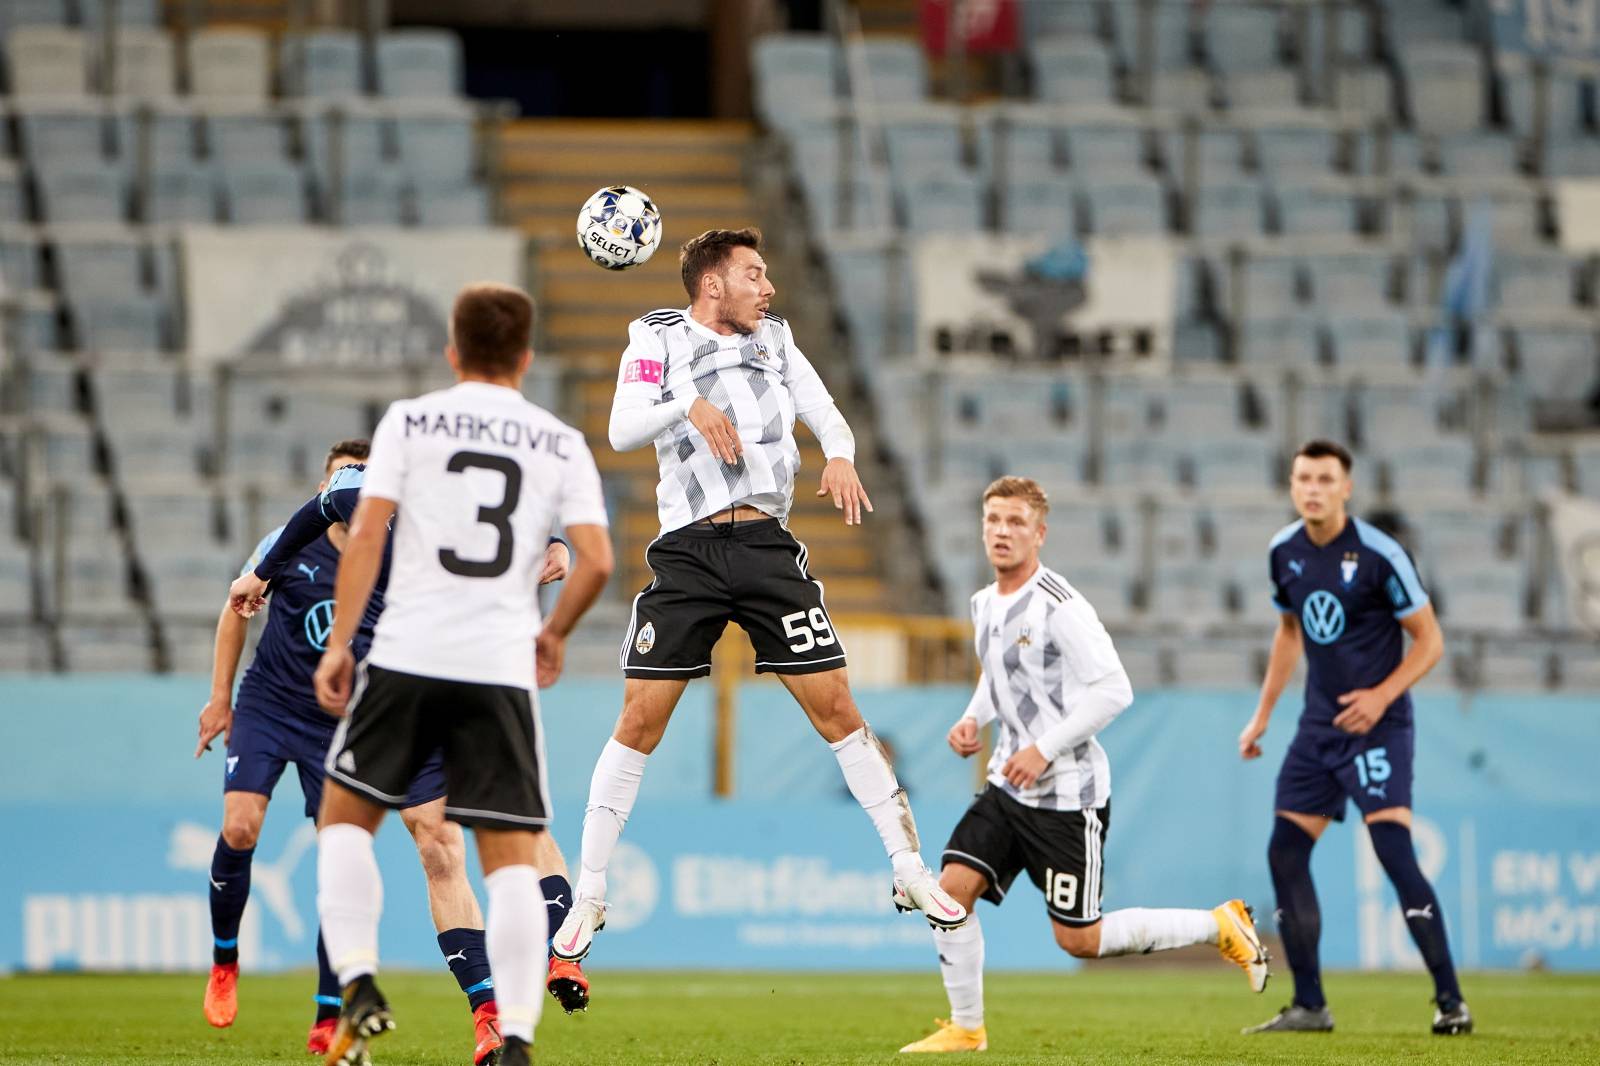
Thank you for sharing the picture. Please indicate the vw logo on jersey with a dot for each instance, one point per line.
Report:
(1322, 617)
(319, 623)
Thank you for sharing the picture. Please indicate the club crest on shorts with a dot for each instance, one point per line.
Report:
(647, 639)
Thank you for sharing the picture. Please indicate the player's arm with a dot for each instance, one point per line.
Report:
(815, 407)
(590, 571)
(963, 736)
(352, 588)
(1281, 662)
(216, 717)
(638, 413)
(336, 503)
(1363, 708)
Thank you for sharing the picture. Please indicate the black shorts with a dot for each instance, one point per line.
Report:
(490, 735)
(1061, 850)
(752, 573)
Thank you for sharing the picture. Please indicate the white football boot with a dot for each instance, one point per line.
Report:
(576, 935)
(923, 893)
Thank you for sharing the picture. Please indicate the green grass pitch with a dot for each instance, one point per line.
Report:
(1103, 1015)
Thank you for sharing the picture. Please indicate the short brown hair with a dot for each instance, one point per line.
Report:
(357, 448)
(709, 252)
(1021, 488)
(491, 326)
(1323, 449)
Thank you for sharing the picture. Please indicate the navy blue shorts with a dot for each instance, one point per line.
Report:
(266, 738)
(1323, 768)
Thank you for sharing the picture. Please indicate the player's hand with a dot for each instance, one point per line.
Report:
(549, 653)
(1024, 768)
(556, 561)
(839, 480)
(718, 430)
(333, 679)
(963, 738)
(216, 719)
(1362, 710)
(247, 594)
(1253, 732)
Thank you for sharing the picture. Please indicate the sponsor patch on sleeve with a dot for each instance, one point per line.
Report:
(642, 370)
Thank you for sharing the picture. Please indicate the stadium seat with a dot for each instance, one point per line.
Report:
(13, 204)
(1326, 207)
(1207, 665)
(1126, 207)
(47, 61)
(1186, 597)
(370, 198)
(1059, 20)
(19, 260)
(1106, 149)
(87, 579)
(1479, 594)
(1375, 338)
(117, 645)
(1238, 462)
(1443, 466)
(1295, 149)
(192, 583)
(1572, 159)
(33, 13)
(795, 73)
(229, 64)
(81, 194)
(1350, 280)
(1180, 89)
(53, 385)
(62, 132)
(923, 140)
(144, 63)
(951, 203)
(1586, 463)
(1279, 340)
(351, 139)
(451, 205)
(1534, 281)
(1363, 92)
(1258, 283)
(1480, 155)
(1556, 360)
(1461, 532)
(247, 133)
(36, 320)
(131, 321)
(176, 195)
(895, 67)
(1512, 666)
(166, 133)
(1227, 209)
(99, 263)
(1137, 464)
(1387, 414)
(146, 381)
(322, 63)
(1016, 143)
(1046, 209)
(1218, 153)
(419, 63)
(1261, 88)
(1073, 70)
(129, 13)
(1240, 36)
(257, 193)
(436, 142)
(1444, 85)
(176, 514)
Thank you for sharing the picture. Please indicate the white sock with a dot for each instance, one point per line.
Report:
(1141, 930)
(961, 966)
(349, 900)
(515, 932)
(612, 790)
(873, 784)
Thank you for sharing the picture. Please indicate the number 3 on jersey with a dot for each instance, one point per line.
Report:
(498, 516)
(807, 628)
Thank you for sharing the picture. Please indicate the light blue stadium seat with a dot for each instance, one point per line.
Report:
(256, 193)
(1138, 464)
(1018, 145)
(247, 133)
(165, 132)
(1557, 360)
(13, 205)
(1227, 209)
(34, 13)
(1058, 20)
(19, 260)
(1071, 70)
(130, 13)
(1271, 283)
(356, 138)
(1429, 217)
(1375, 338)
(229, 64)
(1444, 85)
(1516, 211)
(1191, 277)
(920, 142)
(1274, 87)
(1196, 342)
(74, 194)
(131, 322)
(1572, 159)
(1326, 207)
(1586, 463)
(1109, 149)
(370, 198)
(323, 63)
(1390, 415)
(145, 381)
(451, 205)
(1479, 154)
(1363, 91)
(37, 320)
(794, 72)
(1039, 208)
(1442, 466)
(1169, 31)
(437, 143)
(857, 205)
(419, 62)
(1219, 153)
(1199, 408)
(1279, 340)
(1287, 149)
(1241, 36)
(1187, 598)
(1241, 461)
(1564, 88)
(1175, 532)
(87, 581)
(183, 194)
(1460, 532)
(1131, 206)
(947, 204)
(1480, 594)
(47, 61)
(145, 62)
(99, 265)
(62, 132)
(1534, 281)
(1181, 89)
(54, 385)
(1353, 280)
(185, 584)
(172, 514)
(895, 65)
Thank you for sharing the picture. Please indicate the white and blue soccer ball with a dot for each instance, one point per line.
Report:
(619, 227)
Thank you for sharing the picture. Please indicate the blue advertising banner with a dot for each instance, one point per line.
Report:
(1567, 29)
(107, 825)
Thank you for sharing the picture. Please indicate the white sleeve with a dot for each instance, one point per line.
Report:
(1102, 701)
(981, 707)
(637, 414)
(1085, 644)
(386, 467)
(805, 387)
(583, 501)
(832, 431)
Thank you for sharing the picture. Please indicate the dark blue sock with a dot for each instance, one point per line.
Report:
(230, 888)
(557, 901)
(327, 984)
(1425, 919)
(1299, 916)
(468, 959)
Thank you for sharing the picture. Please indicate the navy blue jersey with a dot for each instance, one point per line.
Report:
(1349, 595)
(298, 622)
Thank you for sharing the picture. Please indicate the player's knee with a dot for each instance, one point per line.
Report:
(442, 857)
(241, 830)
(1081, 942)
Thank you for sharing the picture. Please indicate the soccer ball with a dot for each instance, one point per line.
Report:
(619, 227)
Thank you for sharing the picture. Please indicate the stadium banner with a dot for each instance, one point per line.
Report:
(311, 296)
(1575, 527)
(1567, 29)
(1051, 298)
(108, 838)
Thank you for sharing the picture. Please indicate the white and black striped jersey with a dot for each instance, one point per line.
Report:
(1040, 647)
(761, 381)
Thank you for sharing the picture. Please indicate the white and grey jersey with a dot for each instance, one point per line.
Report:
(1040, 648)
(761, 381)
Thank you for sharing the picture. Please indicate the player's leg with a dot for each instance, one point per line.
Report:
(566, 980)
(647, 706)
(311, 754)
(517, 934)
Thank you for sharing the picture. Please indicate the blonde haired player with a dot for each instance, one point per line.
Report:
(1051, 680)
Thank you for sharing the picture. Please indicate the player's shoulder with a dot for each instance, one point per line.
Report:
(1054, 587)
(1285, 535)
(773, 319)
(349, 476)
(660, 319)
(981, 598)
(1376, 540)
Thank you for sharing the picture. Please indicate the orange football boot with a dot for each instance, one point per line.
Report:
(222, 994)
(487, 1020)
(569, 984)
(321, 1036)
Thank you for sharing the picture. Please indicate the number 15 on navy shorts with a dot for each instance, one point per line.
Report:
(1321, 770)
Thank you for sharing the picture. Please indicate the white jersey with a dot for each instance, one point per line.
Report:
(482, 479)
(1040, 647)
(761, 381)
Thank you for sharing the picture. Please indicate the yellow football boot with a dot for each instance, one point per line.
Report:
(951, 1037)
(1239, 943)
